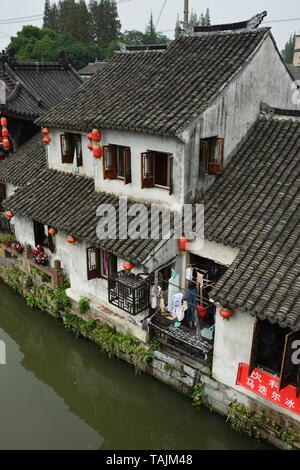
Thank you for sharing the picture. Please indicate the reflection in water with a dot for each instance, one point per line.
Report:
(57, 392)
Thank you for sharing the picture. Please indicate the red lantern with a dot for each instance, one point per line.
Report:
(45, 131)
(226, 313)
(46, 140)
(201, 311)
(128, 267)
(52, 232)
(3, 121)
(90, 147)
(4, 133)
(96, 135)
(183, 244)
(97, 152)
(6, 143)
(71, 240)
(90, 136)
(9, 214)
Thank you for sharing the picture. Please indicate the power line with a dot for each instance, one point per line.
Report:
(161, 12)
(282, 21)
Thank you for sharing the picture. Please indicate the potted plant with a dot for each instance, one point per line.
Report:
(40, 256)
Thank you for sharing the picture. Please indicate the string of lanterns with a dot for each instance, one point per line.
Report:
(46, 138)
(4, 133)
(94, 146)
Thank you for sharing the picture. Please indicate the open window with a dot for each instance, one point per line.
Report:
(117, 163)
(272, 350)
(71, 148)
(100, 263)
(39, 233)
(157, 170)
(211, 156)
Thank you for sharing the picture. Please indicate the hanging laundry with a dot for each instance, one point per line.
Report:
(173, 288)
(189, 274)
(202, 312)
(191, 302)
(155, 292)
(178, 307)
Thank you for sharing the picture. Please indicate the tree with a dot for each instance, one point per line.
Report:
(193, 19)
(288, 51)
(207, 18)
(43, 45)
(150, 35)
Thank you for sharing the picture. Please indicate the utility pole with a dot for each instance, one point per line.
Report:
(186, 11)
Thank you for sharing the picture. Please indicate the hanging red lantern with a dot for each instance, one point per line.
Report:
(201, 311)
(6, 143)
(97, 152)
(183, 244)
(226, 313)
(71, 240)
(45, 131)
(128, 267)
(9, 214)
(90, 136)
(46, 140)
(52, 232)
(90, 147)
(3, 121)
(96, 135)
(5, 133)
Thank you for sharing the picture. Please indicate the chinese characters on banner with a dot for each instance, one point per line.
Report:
(266, 386)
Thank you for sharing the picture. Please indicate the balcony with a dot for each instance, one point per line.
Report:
(181, 339)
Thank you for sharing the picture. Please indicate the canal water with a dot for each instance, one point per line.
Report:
(57, 392)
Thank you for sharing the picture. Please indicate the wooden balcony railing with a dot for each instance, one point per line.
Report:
(55, 274)
(181, 339)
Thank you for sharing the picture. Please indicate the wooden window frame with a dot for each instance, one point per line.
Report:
(208, 164)
(93, 272)
(287, 368)
(148, 179)
(96, 271)
(73, 140)
(110, 171)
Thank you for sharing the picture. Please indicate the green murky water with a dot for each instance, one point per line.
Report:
(57, 392)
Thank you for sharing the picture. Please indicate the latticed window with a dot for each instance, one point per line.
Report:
(128, 292)
(71, 147)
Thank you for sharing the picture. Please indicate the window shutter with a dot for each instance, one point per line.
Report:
(287, 366)
(127, 165)
(204, 157)
(216, 154)
(93, 263)
(78, 150)
(109, 163)
(171, 174)
(67, 148)
(148, 169)
(254, 350)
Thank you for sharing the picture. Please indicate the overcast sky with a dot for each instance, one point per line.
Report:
(134, 14)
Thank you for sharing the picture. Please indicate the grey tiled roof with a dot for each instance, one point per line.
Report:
(92, 68)
(158, 92)
(295, 71)
(24, 165)
(255, 205)
(34, 87)
(69, 202)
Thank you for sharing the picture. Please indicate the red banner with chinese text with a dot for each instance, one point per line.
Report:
(266, 385)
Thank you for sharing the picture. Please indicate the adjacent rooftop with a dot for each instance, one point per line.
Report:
(255, 205)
